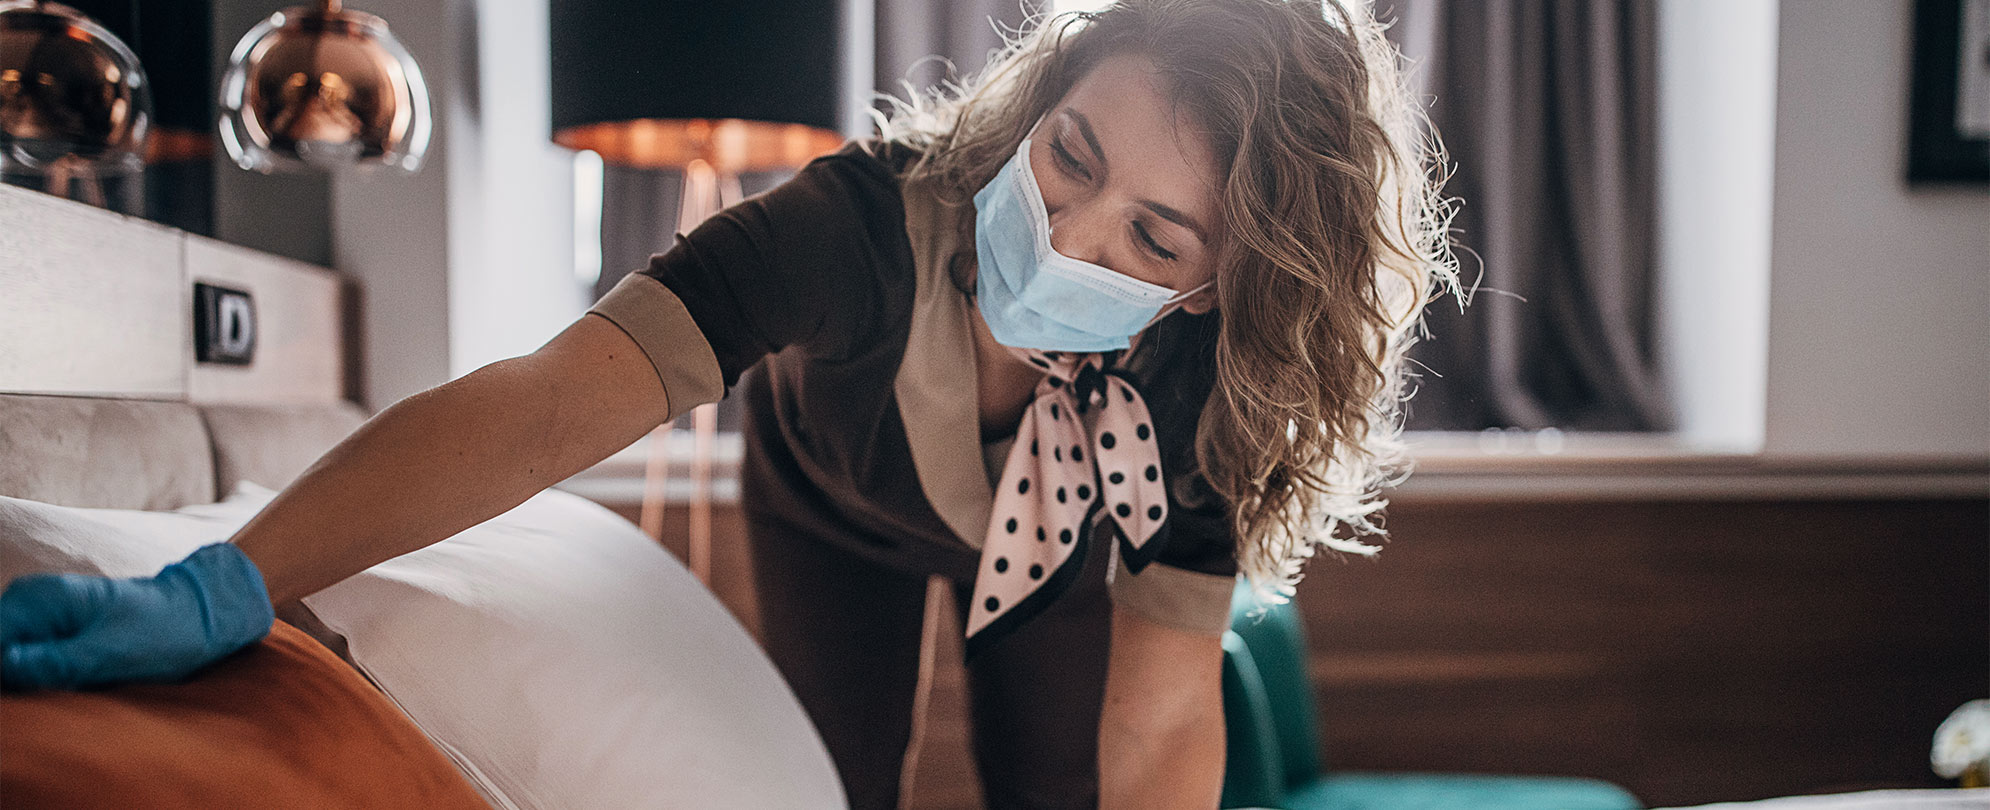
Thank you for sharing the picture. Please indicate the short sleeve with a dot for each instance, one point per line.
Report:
(1189, 584)
(1189, 601)
(656, 320)
(806, 264)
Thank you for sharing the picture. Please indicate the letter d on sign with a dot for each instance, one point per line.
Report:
(224, 325)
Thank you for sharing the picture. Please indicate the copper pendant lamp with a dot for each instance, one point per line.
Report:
(323, 87)
(710, 90)
(75, 106)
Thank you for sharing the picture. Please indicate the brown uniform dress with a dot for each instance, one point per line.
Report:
(836, 307)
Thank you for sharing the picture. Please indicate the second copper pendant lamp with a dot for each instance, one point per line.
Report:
(323, 87)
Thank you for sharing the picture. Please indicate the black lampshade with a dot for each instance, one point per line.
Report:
(618, 61)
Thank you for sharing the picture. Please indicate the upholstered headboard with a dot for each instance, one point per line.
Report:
(137, 454)
(104, 401)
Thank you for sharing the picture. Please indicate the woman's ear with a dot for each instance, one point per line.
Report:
(1201, 302)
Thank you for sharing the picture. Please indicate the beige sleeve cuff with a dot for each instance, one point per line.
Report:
(1189, 601)
(653, 316)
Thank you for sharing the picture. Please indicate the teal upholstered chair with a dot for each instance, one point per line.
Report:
(1274, 749)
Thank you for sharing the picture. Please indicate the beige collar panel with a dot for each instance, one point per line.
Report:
(935, 384)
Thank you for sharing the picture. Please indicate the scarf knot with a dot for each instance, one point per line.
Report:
(1088, 387)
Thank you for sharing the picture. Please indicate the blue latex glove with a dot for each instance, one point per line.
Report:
(64, 631)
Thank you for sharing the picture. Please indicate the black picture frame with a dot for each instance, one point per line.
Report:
(1937, 151)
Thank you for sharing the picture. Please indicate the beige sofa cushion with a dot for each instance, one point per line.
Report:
(271, 444)
(107, 453)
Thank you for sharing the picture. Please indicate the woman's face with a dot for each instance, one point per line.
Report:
(1128, 185)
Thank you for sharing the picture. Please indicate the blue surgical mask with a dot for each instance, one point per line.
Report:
(1036, 298)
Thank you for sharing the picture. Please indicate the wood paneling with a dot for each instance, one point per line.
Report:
(1690, 651)
(90, 301)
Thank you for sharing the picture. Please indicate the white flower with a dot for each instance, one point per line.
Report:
(1963, 740)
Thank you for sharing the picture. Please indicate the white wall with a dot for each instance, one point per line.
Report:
(1716, 148)
(469, 260)
(1879, 306)
(391, 232)
(518, 290)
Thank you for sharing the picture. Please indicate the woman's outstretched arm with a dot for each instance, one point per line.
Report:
(426, 468)
(454, 456)
(1161, 742)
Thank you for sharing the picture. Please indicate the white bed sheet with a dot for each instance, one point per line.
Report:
(1958, 799)
(560, 657)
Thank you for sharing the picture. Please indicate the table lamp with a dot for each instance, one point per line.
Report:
(710, 90)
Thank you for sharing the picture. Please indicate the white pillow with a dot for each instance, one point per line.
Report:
(41, 538)
(559, 656)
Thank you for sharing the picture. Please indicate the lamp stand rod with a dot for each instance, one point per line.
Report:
(706, 191)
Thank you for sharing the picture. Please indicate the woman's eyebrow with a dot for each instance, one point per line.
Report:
(1178, 218)
(1085, 129)
(1165, 212)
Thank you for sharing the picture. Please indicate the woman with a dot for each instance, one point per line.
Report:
(1174, 250)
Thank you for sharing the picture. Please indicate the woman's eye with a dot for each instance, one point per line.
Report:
(1153, 246)
(1064, 158)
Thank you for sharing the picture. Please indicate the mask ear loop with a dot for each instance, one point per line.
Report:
(1190, 292)
(1174, 302)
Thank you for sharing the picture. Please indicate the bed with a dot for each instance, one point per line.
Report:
(551, 657)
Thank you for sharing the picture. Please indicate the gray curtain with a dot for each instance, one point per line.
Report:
(1547, 108)
(960, 31)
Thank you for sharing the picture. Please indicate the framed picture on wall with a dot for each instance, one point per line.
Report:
(1948, 130)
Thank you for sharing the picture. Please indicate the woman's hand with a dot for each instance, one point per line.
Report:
(65, 631)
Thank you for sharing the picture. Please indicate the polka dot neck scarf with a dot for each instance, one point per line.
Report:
(1084, 454)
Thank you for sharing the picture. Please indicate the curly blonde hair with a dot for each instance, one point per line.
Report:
(1335, 238)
